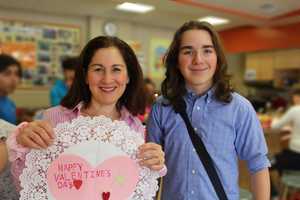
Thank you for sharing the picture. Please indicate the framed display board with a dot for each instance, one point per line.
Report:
(158, 49)
(39, 47)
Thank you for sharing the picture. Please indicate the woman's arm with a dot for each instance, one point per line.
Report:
(284, 120)
(25, 137)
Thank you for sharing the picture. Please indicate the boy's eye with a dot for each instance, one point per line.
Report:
(207, 51)
(188, 52)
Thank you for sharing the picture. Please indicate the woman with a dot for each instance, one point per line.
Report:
(289, 159)
(108, 82)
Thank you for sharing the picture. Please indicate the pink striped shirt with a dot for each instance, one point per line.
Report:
(57, 115)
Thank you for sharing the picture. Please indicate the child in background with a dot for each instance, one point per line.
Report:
(150, 90)
(61, 87)
(10, 74)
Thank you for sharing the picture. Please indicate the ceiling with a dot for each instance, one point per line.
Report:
(172, 13)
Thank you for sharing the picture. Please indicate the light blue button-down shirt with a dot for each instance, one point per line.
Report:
(229, 132)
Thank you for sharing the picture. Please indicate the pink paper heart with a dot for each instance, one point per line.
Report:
(72, 177)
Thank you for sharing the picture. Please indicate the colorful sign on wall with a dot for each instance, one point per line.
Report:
(158, 48)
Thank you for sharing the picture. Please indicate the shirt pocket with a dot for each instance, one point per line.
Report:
(220, 137)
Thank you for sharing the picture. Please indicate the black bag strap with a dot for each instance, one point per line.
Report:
(202, 152)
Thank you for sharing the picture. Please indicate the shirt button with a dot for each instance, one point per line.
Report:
(195, 128)
(193, 171)
(192, 191)
(194, 150)
(198, 107)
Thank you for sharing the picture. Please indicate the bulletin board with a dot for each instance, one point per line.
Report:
(158, 49)
(39, 47)
(138, 50)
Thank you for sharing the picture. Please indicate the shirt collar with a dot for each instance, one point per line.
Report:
(208, 95)
(125, 114)
(75, 110)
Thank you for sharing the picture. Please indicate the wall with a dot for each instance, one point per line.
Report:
(248, 39)
(47, 19)
(39, 97)
(236, 63)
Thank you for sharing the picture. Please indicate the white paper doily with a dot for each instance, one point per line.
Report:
(70, 135)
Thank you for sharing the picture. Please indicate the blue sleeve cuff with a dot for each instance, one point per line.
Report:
(258, 163)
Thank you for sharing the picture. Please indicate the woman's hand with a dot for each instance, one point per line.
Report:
(152, 156)
(37, 135)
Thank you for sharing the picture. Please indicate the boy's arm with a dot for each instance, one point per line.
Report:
(260, 185)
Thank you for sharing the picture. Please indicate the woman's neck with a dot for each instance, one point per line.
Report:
(94, 109)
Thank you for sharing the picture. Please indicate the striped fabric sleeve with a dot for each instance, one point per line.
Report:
(16, 153)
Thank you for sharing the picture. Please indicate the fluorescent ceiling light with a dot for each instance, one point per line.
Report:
(135, 7)
(214, 20)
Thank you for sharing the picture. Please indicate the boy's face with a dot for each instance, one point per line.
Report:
(9, 80)
(197, 60)
(69, 76)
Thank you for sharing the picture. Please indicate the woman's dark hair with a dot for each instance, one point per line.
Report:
(6, 61)
(173, 86)
(133, 98)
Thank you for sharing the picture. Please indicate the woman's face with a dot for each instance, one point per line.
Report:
(107, 76)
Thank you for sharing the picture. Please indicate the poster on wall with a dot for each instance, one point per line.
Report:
(158, 48)
(25, 52)
(138, 50)
(39, 47)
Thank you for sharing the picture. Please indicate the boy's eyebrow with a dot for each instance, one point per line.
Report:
(185, 47)
(208, 46)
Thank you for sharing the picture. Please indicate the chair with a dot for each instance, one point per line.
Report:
(290, 180)
(245, 194)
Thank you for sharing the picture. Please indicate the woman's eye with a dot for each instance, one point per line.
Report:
(98, 69)
(116, 69)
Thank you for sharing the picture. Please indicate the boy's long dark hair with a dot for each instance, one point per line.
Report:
(173, 86)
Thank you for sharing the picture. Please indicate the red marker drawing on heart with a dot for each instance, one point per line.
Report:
(77, 183)
(105, 195)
